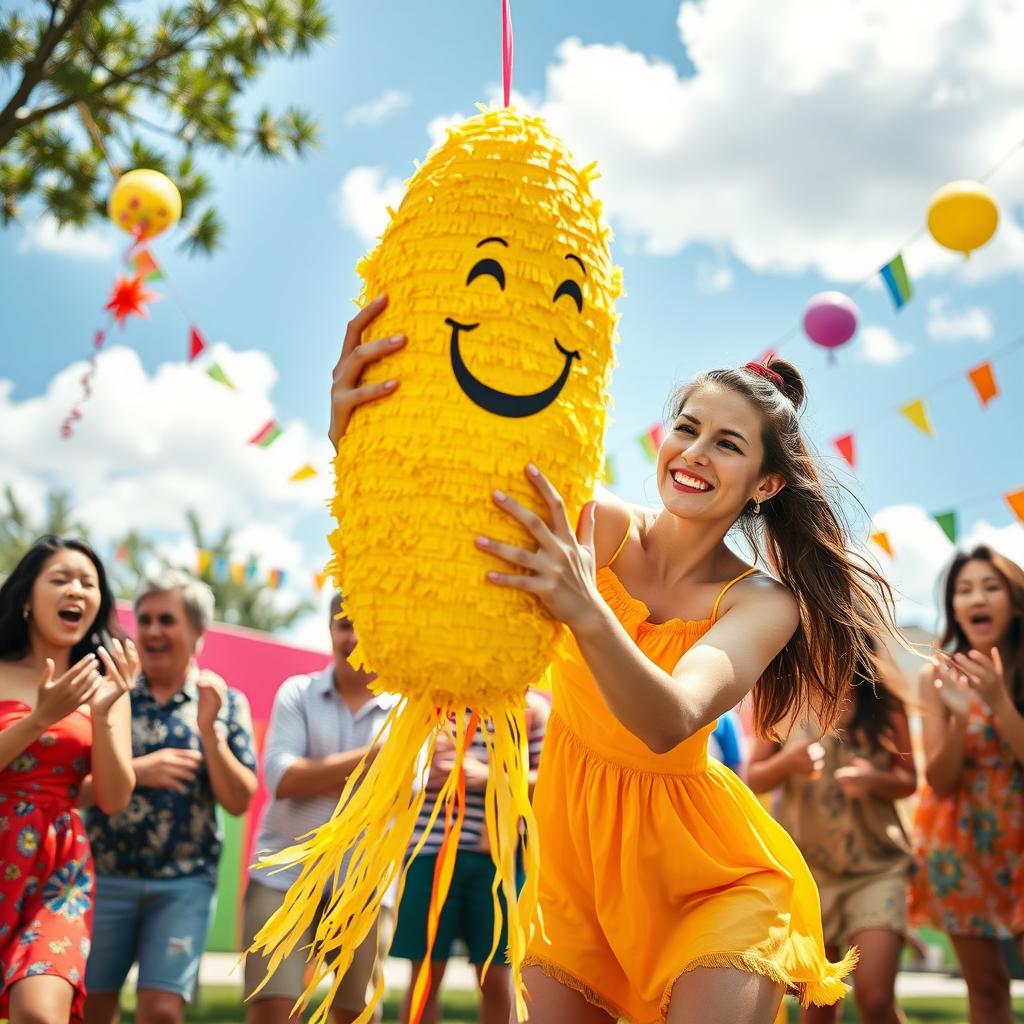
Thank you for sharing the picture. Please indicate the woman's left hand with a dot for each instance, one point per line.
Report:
(984, 675)
(121, 669)
(561, 570)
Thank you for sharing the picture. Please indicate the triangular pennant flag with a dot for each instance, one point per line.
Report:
(203, 561)
(216, 371)
(916, 412)
(607, 476)
(303, 473)
(238, 572)
(1015, 499)
(275, 579)
(894, 274)
(881, 538)
(984, 380)
(251, 569)
(267, 434)
(947, 520)
(846, 449)
(196, 343)
(651, 441)
(121, 554)
(220, 568)
(97, 340)
(145, 266)
(319, 579)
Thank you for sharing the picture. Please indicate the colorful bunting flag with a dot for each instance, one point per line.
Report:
(881, 538)
(275, 579)
(220, 568)
(916, 412)
(303, 473)
(267, 434)
(894, 274)
(121, 554)
(1015, 499)
(203, 561)
(196, 343)
(319, 579)
(651, 441)
(97, 340)
(607, 476)
(984, 380)
(947, 520)
(216, 371)
(145, 266)
(251, 569)
(238, 572)
(846, 449)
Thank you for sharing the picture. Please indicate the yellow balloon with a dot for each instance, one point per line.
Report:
(962, 216)
(145, 203)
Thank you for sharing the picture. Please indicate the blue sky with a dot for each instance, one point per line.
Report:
(751, 157)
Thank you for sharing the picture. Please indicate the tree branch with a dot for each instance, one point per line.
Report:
(35, 69)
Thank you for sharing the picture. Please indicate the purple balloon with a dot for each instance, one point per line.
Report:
(830, 319)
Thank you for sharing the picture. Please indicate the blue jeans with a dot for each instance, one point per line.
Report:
(160, 922)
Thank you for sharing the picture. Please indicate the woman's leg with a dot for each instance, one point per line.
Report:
(988, 981)
(823, 1014)
(42, 999)
(874, 979)
(725, 994)
(551, 1002)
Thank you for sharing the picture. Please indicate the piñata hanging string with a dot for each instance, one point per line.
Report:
(495, 374)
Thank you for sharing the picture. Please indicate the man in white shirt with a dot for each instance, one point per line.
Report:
(320, 728)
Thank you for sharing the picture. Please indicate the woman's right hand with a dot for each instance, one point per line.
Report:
(346, 391)
(806, 758)
(952, 686)
(57, 698)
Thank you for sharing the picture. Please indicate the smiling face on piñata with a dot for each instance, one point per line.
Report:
(498, 271)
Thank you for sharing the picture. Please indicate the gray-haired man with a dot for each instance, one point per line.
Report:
(156, 861)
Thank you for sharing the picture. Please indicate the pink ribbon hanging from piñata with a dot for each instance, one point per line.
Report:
(506, 50)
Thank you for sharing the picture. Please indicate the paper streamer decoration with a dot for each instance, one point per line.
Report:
(845, 446)
(506, 51)
(267, 434)
(948, 522)
(128, 298)
(881, 538)
(984, 380)
(894, 274)
(917, 413)
(497, 269)
(1015, 499)
(651, 441)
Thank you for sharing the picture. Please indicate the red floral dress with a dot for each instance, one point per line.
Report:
(46, 875)
(970, 842)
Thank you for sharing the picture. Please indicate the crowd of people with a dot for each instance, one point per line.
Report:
(668, 891)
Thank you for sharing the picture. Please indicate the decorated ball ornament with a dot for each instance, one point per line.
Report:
(498, 271)
(830, 320)
(963, 216)
(145, 203)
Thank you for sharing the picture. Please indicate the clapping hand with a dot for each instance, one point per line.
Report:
(121, 664)
(951, 685)
(58, 697)
(855, 779)
(984, 674)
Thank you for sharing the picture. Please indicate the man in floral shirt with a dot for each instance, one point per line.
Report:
(156, 861)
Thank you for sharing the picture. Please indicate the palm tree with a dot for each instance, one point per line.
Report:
(18, 531)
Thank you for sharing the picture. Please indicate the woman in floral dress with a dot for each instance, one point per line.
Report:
(970, 819)
(62, 678)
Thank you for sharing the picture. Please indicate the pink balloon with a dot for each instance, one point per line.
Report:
(830, 319)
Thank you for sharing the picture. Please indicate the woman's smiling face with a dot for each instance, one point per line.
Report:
(709, 465)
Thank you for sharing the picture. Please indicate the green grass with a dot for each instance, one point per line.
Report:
(222, 1006)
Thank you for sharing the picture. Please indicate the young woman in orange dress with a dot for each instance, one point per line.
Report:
(969, 871)
(668, 893)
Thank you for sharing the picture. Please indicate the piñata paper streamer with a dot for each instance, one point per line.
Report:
(894, 274)
(498, 271)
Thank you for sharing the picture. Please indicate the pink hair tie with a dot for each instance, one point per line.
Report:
(768, 374)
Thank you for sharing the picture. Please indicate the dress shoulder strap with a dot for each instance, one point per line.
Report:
(622, 543)
(724, 590)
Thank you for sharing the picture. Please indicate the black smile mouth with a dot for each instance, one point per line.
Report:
(501, 403)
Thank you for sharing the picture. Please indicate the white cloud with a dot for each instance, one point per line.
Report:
(922, 551)
(714, 278)
(880, 346)
(808, 140)
(945, 324)
(379, 108)
(362, 200)
(46, 235)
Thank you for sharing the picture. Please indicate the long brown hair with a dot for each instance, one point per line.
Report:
(953, 637)
(803, 537)
(874, 704)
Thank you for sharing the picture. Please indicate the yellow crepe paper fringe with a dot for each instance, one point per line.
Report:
(414, 477)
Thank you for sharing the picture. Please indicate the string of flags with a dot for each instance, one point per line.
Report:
(221, 568)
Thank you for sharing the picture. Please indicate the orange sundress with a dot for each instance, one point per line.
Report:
(969, 844)
(653, 865)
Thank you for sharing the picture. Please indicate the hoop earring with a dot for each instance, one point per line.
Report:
(757, 507)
